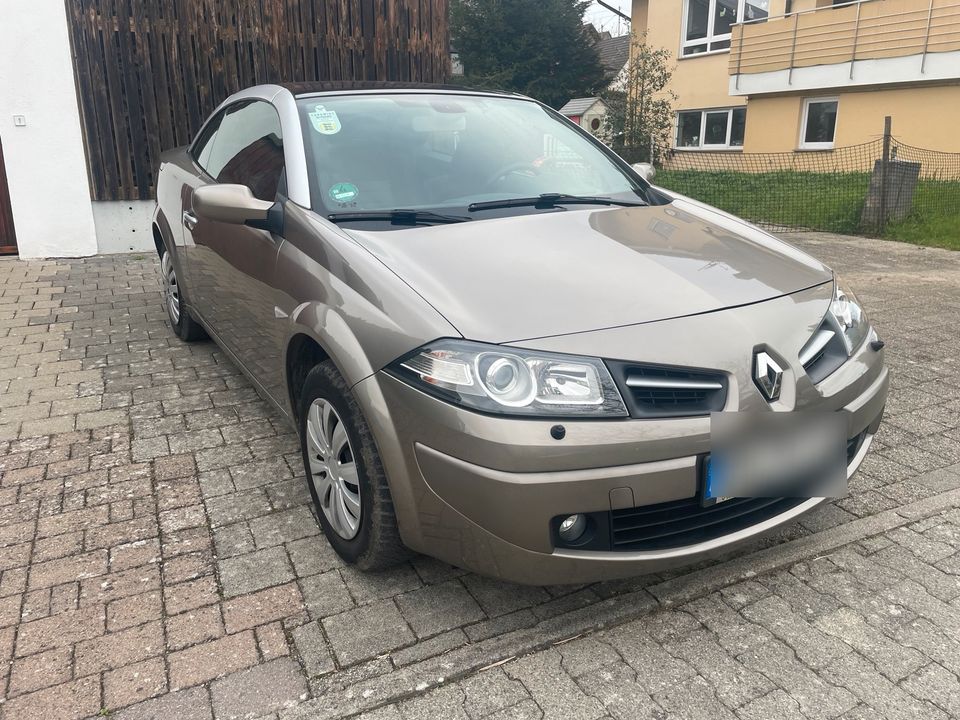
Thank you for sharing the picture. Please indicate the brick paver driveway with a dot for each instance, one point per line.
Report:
(159, 558)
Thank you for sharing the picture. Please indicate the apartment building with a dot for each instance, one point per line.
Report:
(809, 75)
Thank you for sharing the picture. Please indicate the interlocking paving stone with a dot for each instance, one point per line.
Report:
(260, 690)
(313, 650)
(213, 659)
(817, 697)
(254, 571)
(445, 702)
(618, 691)
(555, 692)
(813, 647)
(734, 684)
(326, 594)
(132, 683)
(193, 704)
(69, 701)
(435, 608)
(861, 676)
(144, 486)
(891, 658)
(367, 631)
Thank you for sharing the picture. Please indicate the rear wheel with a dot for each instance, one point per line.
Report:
(345, 475)
(181, 321)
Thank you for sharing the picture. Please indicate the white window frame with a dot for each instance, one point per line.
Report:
(703, 129)
(803, 144)
(710, 38)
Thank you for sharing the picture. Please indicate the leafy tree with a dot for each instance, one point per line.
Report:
(537, 47)
(640, 107)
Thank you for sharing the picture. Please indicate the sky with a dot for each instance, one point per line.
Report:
(606, 20)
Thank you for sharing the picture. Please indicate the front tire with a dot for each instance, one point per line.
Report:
(181, 321)
(345, 474)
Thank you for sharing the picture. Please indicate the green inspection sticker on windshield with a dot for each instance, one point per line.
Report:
(344, 192)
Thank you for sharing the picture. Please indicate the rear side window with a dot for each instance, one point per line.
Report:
(247, 149)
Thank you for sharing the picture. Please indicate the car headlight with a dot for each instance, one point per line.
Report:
(511, 381)
(849, 315)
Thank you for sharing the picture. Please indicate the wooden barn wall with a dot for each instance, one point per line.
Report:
(150, 71)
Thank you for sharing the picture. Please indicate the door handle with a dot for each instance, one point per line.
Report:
(189, 220)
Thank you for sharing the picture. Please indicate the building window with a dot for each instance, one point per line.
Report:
(819, 125)
(707, 23)
(718, 129)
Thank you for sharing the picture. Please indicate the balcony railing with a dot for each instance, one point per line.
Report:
(847, 34)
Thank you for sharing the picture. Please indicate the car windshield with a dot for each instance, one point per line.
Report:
(445, 152)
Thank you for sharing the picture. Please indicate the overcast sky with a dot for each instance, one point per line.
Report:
(606, 20)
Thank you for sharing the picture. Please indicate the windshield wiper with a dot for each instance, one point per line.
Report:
(550, 200)
(399, 217)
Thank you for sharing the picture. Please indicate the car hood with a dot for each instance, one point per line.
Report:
(554, 273)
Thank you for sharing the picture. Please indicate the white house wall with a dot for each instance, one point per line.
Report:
(45, 162)
(124, 226)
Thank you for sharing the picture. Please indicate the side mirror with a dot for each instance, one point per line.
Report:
(231, 204)
(645, 170)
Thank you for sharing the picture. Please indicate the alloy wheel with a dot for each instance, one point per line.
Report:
(171, 288)
(333, 469)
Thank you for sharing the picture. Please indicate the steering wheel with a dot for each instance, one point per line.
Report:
(511, 168)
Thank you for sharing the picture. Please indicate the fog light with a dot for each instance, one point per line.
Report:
(572, 528)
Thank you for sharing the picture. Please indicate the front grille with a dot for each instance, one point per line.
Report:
(824, 352)
(653, 391)
(685, 522)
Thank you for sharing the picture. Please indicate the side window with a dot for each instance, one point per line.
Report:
(204, 144)
(248, 149)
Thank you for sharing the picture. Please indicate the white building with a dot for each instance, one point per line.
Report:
(43, 154)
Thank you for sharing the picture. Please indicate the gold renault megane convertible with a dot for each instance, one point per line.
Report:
(500, 344)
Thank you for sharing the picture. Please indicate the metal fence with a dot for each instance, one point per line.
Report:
(866, 189)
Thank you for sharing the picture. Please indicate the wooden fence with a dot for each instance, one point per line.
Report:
(150, 71)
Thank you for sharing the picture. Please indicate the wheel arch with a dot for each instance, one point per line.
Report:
(303, 353)
(162, 233)
(158, 240)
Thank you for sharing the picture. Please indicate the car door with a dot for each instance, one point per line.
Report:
(199, 154)
(231, 267)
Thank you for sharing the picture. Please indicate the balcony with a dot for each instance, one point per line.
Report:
(866, 43)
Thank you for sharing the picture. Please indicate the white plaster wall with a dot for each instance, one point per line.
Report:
(124, 226)
(45, 161)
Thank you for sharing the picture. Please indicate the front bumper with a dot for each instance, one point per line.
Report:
(480, 492)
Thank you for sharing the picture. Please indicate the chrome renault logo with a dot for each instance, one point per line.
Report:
(767, 375)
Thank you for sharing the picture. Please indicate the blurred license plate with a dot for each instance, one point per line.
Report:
(797, 454)
(709, 482)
